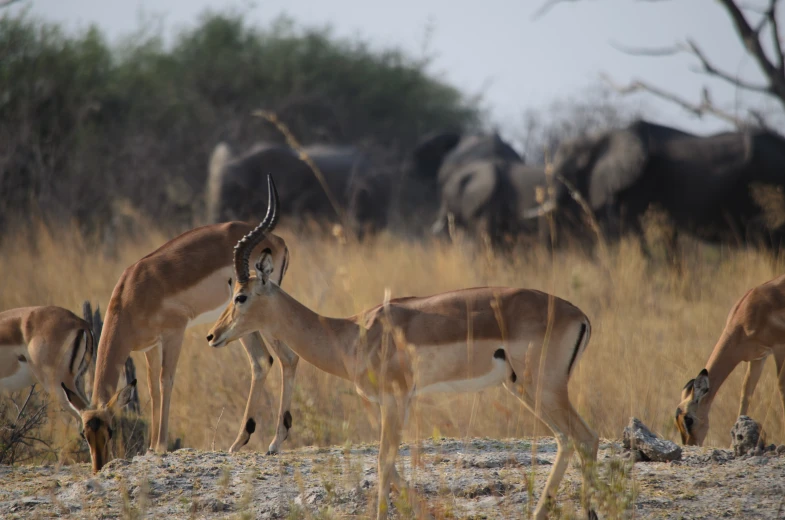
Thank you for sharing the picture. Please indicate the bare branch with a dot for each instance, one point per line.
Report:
(670, 50)
(771, 14)
(547, 6)
(711, 70)
(749, 37)
(6, 3)
(691, 47)
(701, 109)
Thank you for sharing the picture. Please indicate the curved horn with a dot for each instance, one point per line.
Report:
(242, 251)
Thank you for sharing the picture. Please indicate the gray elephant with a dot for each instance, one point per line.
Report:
(490, 197)
(725, 187)
(236, 187)
(468, 176)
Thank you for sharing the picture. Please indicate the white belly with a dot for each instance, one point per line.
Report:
(22, 378)
(495, 377)
(209, 317)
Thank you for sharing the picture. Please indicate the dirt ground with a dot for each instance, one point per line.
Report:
(476, 478)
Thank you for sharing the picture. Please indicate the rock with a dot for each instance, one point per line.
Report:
(781, 449)
(637, 437)
(746, 437)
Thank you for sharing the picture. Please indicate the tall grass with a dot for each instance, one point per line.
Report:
(652, 331)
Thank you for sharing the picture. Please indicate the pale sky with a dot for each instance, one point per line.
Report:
(494, 46)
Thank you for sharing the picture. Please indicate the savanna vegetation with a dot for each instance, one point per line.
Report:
(107, 146)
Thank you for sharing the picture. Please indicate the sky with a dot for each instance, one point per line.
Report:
(495, 46)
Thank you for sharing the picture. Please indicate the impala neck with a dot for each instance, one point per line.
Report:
(111, 354)
(727, 354)
(326, 343)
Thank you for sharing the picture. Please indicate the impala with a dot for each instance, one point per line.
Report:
(185, 282)
(44, 345)
(754, 330)
(458, 341)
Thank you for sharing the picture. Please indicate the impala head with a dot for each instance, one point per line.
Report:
(692, 415)
(248, 309)
(97, 421)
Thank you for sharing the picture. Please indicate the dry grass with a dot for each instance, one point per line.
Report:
(652, 331)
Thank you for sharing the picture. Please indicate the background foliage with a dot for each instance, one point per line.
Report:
(89, 130)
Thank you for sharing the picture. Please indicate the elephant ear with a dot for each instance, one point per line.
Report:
(431, 150)
(470, 188)
(617, 166)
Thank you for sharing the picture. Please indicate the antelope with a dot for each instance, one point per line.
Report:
(458, 341)
(185, 282)
(44, 345)
(754, 330)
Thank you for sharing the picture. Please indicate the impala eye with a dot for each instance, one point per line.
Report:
(688, 422)
(240, 298)
(230, 281)
(110, 433)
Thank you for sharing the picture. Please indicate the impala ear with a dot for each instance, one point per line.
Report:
(122, 398)
(264, 267)
(700, 387)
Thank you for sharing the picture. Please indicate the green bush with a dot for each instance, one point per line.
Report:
(85, 125)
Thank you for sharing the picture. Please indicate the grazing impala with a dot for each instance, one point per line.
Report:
(754, 330)
(44, 345)
(458, 341)
(185, 282)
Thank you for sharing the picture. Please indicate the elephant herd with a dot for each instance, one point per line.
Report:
(722, 188)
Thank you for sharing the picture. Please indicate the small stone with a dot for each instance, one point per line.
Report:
(637, 437)
(781, 449)
(746, 437)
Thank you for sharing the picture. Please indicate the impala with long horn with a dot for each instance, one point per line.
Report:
(185, 282)
(458, 341)
(46, 345)
(754, 330)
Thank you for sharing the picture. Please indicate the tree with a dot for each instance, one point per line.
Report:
(594, 109)
(757, 28)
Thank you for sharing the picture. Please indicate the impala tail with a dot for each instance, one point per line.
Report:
(584, 334)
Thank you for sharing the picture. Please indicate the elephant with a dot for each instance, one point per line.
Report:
(236, 187)
(721, 188)
(490, 196)
(467, 176)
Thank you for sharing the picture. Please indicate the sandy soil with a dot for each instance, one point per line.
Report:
(476, 478)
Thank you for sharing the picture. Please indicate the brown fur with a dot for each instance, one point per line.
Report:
(754, 330)
(44, 338)
(446, 342)
(151, 306)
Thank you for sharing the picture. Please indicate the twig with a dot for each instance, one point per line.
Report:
(751, 40)
(215, 430)
(296, 146)
(21, 410)
(690, 47)
(704, 107)
(547, 6)
(6, 3)
(771, 14)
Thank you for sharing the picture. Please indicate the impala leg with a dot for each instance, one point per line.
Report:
(153, 358)
(779, 357)
(754, 370)
(565, 423)
(171, 353)
(388, 451)
(288, 361)
(261, 361)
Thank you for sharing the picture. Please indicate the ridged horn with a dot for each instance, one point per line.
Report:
(244, 247)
